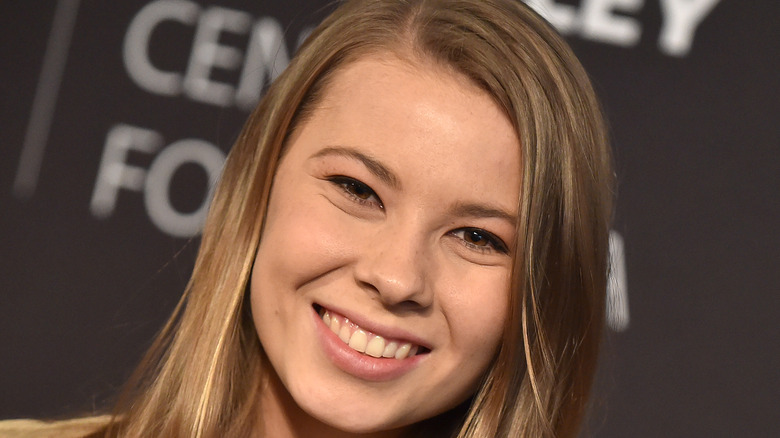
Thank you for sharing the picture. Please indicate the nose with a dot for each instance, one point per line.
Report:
(393, 264)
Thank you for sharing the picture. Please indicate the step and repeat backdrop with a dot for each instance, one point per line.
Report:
(116, 117)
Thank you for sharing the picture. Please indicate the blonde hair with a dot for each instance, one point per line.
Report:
(203, 375)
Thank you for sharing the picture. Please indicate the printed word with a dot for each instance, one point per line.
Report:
(115, 174)
(607, 21)
(264, 58)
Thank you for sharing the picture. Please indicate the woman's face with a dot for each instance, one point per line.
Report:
(381, 282)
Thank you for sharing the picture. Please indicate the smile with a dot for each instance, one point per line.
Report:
(366, 342)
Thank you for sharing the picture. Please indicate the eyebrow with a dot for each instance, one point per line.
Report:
(483, 211)
(374, 166)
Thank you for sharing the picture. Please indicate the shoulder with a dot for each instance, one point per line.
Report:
(49, 429)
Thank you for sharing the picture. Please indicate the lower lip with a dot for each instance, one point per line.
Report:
(362, 366)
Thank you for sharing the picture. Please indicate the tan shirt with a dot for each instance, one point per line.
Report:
(51, 429)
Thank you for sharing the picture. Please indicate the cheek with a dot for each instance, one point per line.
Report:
(302, 239)
(477, 308)
(301, 243)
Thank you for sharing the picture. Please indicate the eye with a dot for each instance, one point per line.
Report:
(356, 190)
(480, 240)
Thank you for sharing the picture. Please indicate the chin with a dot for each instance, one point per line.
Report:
(347, 414)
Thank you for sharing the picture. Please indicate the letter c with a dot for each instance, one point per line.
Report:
(136, 53)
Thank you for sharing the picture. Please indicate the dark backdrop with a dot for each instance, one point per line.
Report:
(115, 115)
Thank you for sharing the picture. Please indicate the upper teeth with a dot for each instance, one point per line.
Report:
(364, 341)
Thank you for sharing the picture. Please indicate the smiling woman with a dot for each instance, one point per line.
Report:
(409, 239)
(381, 242)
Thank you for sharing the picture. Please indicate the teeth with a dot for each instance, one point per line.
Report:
(403, 351)
(335, 325)
(344, 334)
(390, 349)
(359, 340)
(376, 347)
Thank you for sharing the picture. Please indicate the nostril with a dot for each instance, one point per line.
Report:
(408, 306)
(368, 286)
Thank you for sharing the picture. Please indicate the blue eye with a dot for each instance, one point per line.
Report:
(357, 190)
(481, 240)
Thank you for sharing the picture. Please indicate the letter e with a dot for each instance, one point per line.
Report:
(208, 53)
(562, 17)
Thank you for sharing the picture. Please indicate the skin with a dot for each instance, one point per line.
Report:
(397, 248)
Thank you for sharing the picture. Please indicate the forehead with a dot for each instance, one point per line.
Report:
(422, 118)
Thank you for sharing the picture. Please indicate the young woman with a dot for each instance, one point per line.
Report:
(409, 239)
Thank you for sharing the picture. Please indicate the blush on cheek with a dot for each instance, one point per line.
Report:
(320, 240)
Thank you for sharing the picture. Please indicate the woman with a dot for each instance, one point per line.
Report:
(409, 239)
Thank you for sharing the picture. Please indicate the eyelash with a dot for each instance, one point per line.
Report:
(493, 242)
(351, 187)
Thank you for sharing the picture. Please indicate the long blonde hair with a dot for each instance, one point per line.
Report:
(202, 376)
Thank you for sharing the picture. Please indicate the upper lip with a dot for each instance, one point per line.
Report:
(378, 328)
